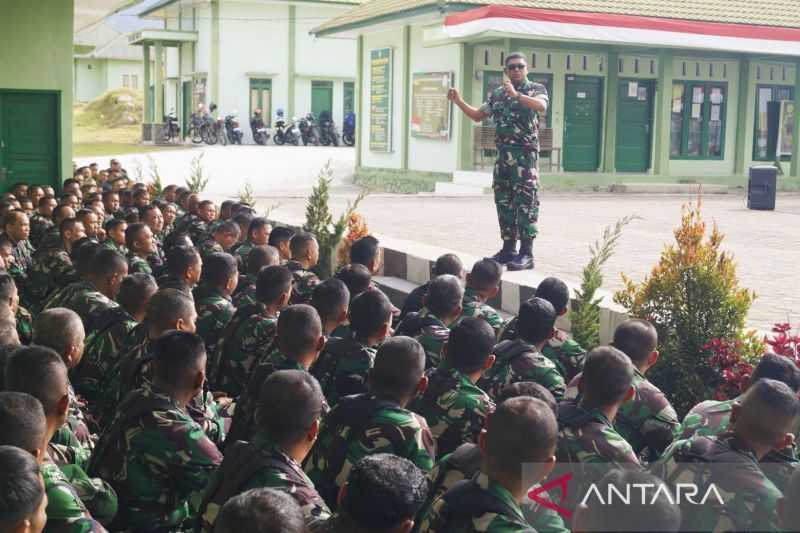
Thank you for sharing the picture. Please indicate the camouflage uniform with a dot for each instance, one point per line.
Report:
(241, 251)
(39, 226)
(66, 512)
(92, 306)
(23, 254)
(362, 425)
(138, 264)
(647, 421)
(342, 368)
(477, 504)
(473, 306)
(519, 361)
(247, 338)
(51, 269)
(171, 282)
(245, 291)
(304, 283)
(51, 239)
(516, 176)
(454, 408)
(157, 459)
(194, 226)
(749, 498)
(260, 464)
(214, 312)
(24, 325)
(430, 331)
(111, 244)
(158, 260)
(208, 247)
(567, 354)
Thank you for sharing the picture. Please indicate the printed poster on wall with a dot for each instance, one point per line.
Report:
(430, 108)
(380, 100)
(786, 129)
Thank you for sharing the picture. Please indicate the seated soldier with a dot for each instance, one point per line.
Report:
(195, 222)
(344, 365)
(356, 277)
(18, 229)
(212, 298)
(761, 421)
(52, 236)
(258, 258)
(42, 219)
(184, 268)
(431, 326)
(141, 245)
(454, 407)
(52, 267)
(73, 496)
(154, 454)
(257, 235)
(376, 422)
(648, 420)
(298, 343)
(250, 334)
(153, 217)
(116, 229)
(243, 220)
(367, 251)
(111, 204)
(22, 496)
(105, 346)
(18, 317)
(789, 504)
(222, 239)
(445, 264)
(280, 238)
(331, 299)
(291, 406)
(483, 284)
(383, 493)
(522, 431)
(265, 510)
(522, 359)
(92, 223)
(567, 354)
(305, 254)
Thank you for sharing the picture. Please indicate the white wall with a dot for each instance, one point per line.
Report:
(89, 82)
(116, 69)
(203, 45)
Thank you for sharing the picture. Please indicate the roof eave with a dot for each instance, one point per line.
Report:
(323, 31)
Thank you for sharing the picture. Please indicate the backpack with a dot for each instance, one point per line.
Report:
(413, 323)
(507, 351)
(467, 499)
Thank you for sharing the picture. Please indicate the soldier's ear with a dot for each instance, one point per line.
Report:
(422, 385)
(313, 431)
(493, 292)
(653, 358)
(406, 526)
(489, 363)
(630, 394)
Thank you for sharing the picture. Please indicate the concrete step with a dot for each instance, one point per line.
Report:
(457, 189)
(668, 188)
(473, 178)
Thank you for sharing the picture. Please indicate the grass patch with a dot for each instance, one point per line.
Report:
(101, 149)
(398, 181)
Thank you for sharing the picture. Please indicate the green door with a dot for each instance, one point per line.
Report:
(583, 108)
(634, 119)
(29, 128)
(321, 97)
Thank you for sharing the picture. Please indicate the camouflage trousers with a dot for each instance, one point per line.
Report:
(516, 192)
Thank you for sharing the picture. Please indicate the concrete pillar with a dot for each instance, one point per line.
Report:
(148, 105)
(290, 111)
(663, 110)
(744, 103)
(359, 96)
(612, 90)
(159, 85)
(405, 94)
(464, 82)
(795, 167)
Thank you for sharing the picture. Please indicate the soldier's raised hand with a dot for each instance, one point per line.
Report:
(453, 95)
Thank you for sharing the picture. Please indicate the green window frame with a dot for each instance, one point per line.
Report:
(765, 130)
(698, 120)
(261, 98)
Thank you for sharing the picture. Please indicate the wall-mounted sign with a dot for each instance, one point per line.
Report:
(786, 131)
(380, 100)
(430, 108)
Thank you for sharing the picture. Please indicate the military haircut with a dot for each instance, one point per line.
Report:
(138, 193)
(204, 203)
(536, 320)
(365, 250)
(228, 227)
(132, 217)
(279, 235)
(107, 262)
(272, 281)
(243, 220)
(44, 200)
(7, 286)
(83, 252)
(383, 491)
(485, 275)
(289, 403)
(132, 233)
(40, 372)
(135, 291)
(23, 416)
(299, 329)
(107, 195)
(218, 268)
(60, 212)
(113, 224)
(521, 430)
(12, 216)
(357, 277)
(448, 264)
(777, 367)
(68, 224)
(255, 224)
(399, 365)
(69, 182)
(470, 344)
(554, 291)
(515, 55)
(369, 311)
(260, 257)
(167, 306)
(175, 239)
(329, 298)
(58, 328)
(21, 487)
(636, 338)
(264, 510)
(766, 403)
(176, 355)
(445, 294)
(528, 388)
(607, 376)
(149, 207)
(83, 213)
(181, 258)
(301, 243)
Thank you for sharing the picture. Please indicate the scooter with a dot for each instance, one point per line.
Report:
(349, 129)
(260, 134)
(308, 130)
(232, 130)
(285, 133)
(327, 130)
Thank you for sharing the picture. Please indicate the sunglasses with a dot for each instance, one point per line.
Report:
(517, 66)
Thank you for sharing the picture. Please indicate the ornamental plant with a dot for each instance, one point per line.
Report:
(356, 228)
(692, 296)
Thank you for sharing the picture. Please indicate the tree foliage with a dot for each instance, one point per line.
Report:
(197, 180)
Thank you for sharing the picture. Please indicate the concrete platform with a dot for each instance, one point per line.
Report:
(667, 188)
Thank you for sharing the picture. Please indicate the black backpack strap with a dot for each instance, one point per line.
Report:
(467, 499)
(507, 351)
(413, 323)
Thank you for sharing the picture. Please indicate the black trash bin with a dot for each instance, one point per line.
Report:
(761, 187)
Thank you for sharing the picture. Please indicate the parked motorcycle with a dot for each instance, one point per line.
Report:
(232, 130)
(327, 130)
(196, 123)
(170, 132)
(349, 129)
(285, 133)
(308, 130)
(260, 134)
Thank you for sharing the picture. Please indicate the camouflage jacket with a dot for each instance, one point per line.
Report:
(66, 512)
(454, 408)
(50, 239)
(158, 260)
(362, 425)
(519, 361)
(97, 495)
(567, 354)
(39, 226)
(749, 498)
(171, 282)
(24, 320)
(214, 312)
(208, 247)
(194, 226)
(23, 255)
(111, 244)
(430, 331)
(260, 464)
(245, 291)
(304, 283)
(247, 338)
(241, 251)
(138, 264)
(94, 308)
(647, 421)
(342, 368)
(157, 459)
(514, 123)
(473, 306)
(476, 504)
(51, 270)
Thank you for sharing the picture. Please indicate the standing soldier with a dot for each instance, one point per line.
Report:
(515, 108)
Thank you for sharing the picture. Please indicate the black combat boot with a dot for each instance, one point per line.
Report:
(507, 254)
(523, 260)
